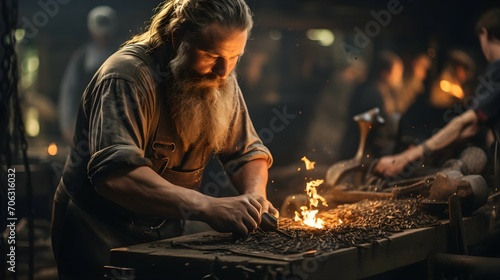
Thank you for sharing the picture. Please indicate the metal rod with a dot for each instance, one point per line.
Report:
(480, 267)
(457, 233)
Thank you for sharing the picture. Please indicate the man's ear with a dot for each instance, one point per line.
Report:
(485, 32)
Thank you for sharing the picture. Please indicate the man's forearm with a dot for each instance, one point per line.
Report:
(460, 127)
(251, 178)
(143, 191)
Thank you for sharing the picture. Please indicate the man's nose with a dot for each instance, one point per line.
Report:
(221, 68)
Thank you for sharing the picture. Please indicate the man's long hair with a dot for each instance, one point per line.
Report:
(185, 20)
(201, 108)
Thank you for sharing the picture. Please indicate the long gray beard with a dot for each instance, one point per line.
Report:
(201, 108)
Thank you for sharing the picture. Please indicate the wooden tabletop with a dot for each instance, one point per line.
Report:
(170, 257)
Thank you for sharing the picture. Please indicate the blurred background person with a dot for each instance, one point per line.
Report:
(324, 137)
(454, 81)
(102, 22)
(380, 90)
(414, 99)
(444, 90)
(414, 80)
(474, 118)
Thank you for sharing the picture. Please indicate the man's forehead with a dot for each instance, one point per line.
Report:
(219, 38)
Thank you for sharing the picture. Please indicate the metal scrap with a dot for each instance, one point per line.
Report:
(360, 225)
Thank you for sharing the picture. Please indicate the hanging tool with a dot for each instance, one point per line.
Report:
(350, 170)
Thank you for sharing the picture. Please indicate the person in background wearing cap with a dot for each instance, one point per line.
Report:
(102, 24)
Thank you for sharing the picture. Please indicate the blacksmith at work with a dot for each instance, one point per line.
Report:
(149, 121)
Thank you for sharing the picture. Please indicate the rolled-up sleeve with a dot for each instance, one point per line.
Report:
(243, 144)
(119, 122)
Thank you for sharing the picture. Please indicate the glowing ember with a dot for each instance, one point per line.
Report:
(308, 214)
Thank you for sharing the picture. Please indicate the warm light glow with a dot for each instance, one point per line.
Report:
(445, 85)
(452, 89)
(314, 197)
(32, 125)
(309, 218)
(29, 66)
(457, 91)
(52, 149)
(307, 215)
(309, 164)
(19, 34)
(33, 64)
(324, 37)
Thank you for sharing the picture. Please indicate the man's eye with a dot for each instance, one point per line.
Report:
(209, 57)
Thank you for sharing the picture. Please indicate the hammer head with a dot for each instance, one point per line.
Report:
(475, 191)
(371, 116)
(472, 189)
(445, 184)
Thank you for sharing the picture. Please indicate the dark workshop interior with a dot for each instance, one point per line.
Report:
(304, 64)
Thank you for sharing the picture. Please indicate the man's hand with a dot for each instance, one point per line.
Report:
(268, 207)
(239, 214)
(251, 180)
(391, 166)
(143, 191)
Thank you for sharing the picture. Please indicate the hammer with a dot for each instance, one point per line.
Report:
(472, 189)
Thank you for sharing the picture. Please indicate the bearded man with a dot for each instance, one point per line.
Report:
(151, 118)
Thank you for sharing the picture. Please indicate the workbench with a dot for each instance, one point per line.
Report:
(166, 260)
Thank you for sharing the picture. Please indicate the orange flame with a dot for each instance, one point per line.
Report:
(314, 197)
(309, 218)
(309, 164)
(308, 215)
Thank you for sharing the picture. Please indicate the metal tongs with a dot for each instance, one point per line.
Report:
(270, 223)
